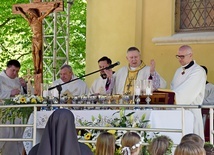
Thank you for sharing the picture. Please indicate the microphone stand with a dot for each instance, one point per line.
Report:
(59, 86)
(59, 89)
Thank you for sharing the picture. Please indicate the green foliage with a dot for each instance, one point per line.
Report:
(10, 114)
(15, 36)
(78, 36)
(123, 120)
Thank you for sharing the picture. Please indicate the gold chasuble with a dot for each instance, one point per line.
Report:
(132, 75)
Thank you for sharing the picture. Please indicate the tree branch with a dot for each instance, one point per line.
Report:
(23, 55)
(6, 21)
(3, 47)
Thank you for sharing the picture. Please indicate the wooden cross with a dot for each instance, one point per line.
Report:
(38, 4)
(28, 77)
(34, 13)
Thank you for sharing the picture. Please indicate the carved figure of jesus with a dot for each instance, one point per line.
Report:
(34, 18)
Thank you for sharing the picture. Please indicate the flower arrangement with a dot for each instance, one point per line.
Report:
(161, 142)
(10, 114)
(124, 120)
(169, 149)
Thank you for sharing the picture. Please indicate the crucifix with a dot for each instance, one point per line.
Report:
(129, 85)
(28, 77)
(34, 13)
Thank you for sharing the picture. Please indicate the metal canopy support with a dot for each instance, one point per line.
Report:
(55, 42)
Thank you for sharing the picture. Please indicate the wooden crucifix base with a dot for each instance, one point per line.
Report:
(37, 83)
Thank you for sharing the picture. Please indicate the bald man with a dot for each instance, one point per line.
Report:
(189, 85)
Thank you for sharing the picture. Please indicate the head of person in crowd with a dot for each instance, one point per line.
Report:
(12, 70)
(160, 145)
(103, 63)
(189, 148)
(66, 73)
(131, 143)
(184, 55)
(105, 144)
(134, 57)
(60, 137)
(194, 138)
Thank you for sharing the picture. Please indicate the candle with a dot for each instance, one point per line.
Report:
(137, 91)
(148, 90)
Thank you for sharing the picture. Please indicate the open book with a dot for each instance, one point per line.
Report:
(165, 90)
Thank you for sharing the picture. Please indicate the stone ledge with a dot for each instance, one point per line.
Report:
(185, 38)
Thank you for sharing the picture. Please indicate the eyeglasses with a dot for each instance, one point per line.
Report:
(181, 56)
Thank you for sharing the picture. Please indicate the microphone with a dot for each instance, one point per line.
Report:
(109, 67)
(113, 65)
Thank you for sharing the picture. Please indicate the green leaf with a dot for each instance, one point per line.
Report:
(131, 113)
(143, 117)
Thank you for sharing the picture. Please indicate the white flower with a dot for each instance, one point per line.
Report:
(27, 100)
(96, 121)
(134, 125)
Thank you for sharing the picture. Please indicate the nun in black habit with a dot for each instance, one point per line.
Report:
(59, 137)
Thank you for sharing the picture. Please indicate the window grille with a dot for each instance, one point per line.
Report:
(191, 15)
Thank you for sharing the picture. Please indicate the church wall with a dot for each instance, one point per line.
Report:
(110, 30)
(115, 25)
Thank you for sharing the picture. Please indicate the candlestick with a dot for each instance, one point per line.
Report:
(137, 102)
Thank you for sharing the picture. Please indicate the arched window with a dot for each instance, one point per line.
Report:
(192, 15)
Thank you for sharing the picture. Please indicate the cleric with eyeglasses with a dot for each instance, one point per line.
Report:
(189, 85)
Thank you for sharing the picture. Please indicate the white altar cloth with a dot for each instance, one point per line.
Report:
(168, 119)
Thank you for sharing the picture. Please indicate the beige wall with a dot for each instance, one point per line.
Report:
(115, 25)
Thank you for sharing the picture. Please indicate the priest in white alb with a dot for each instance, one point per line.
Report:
(77, 87)
(189, 85)
(136, 70)
(11, 85)
(105, 83)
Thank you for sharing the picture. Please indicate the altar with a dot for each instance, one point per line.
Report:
(162, 119)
